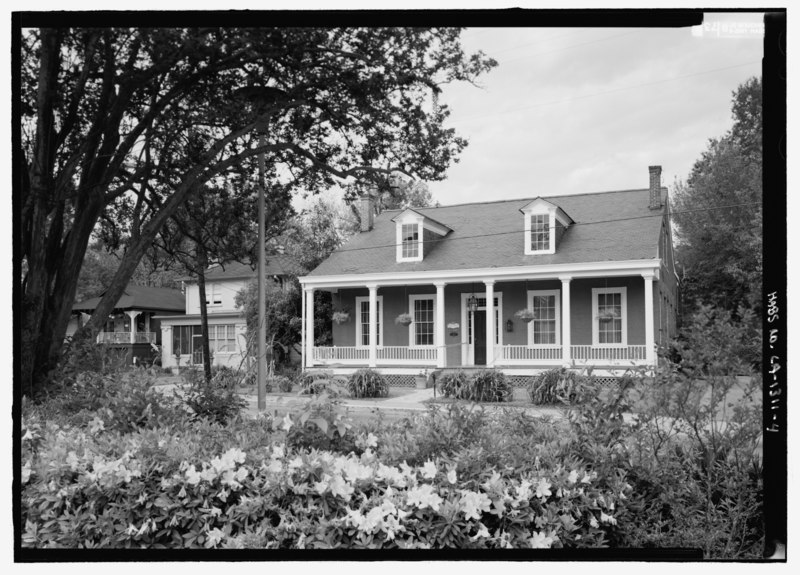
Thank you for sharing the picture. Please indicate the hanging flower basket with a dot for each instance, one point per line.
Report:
(404, 319)
(525, 315)
(608, 314)
(341, 316)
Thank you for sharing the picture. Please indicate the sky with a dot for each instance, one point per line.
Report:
(571, 111)
(577, 110)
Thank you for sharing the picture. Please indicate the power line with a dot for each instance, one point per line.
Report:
(570, 46)
(517, 231)
(612, 91)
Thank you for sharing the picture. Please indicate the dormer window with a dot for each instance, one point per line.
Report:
(410, 235)
(545, 224)
(540, 233)
(416, 235)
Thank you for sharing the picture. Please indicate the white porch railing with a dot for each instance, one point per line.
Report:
(512, 355)
(341, 354)
(386, 355)
(404, 353)
(623, 353)
(115, 337)
(523, 353)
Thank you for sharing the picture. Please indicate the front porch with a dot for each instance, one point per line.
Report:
(502, 356)
(533, 321)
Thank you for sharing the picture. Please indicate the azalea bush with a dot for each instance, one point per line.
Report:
(367, 383)
(217, 399)
(158, 490)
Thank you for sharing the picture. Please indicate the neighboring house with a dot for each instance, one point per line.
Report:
(595, 272)
(134, 325)
(227, 328)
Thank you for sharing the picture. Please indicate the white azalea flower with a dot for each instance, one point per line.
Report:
(429, 470)
(540, 541)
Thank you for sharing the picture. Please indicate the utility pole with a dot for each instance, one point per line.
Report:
(262, 290)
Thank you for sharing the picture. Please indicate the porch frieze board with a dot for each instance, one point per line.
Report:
(574, 271)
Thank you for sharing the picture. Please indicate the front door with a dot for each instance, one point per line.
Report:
(197, 348)
(479, 336)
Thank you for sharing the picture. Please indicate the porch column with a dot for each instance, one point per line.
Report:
(489, 322)
(566, 327)
(649, 336)
(133, 315)
(373, 324)
(309, 327)
(303, 349)
(441, 351)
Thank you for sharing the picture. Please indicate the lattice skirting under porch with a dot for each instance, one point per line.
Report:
(399, 380)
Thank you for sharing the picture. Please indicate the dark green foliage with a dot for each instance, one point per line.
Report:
(484, 385)
(559, 386)
(719, 215)
(281, 383)
(321, 424)
(124, 401)
(316, 382)
(452, 383)
(217, 400)
(367, 383)
(488, 385)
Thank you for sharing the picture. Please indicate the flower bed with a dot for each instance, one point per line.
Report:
(150, 490)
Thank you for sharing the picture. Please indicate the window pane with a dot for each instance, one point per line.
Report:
(423, 321)
(540, 232)
(364, 319)
(410, 235)
(544, 319)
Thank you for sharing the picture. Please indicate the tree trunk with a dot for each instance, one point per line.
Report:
(202, 264)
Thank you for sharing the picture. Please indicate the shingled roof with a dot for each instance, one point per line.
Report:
(277, 265)
(609, 226)
(141, 297)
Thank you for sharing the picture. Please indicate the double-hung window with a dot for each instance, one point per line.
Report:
(213, 294)
(362, 323)
(609, 308)
(540, 232)
(410, 235)
(545, 327)
(422, 329)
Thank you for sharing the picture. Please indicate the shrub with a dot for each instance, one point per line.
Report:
(452, 383)
(196, 487)
(317, 382)
(367, 383)
(558, 386)
(214, 400)
(281, 383)
(122, 401)
(488, 385)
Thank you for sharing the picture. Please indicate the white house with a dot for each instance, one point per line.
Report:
(181, 335)
(592, 276)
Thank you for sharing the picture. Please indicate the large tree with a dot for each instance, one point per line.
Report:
(107, 113)
(718, 213)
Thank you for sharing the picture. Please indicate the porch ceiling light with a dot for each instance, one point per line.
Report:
(472, 303)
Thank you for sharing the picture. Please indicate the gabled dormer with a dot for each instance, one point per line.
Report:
(415, 235)
(545, 224)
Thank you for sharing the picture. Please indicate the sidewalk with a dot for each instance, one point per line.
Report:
(396, 407)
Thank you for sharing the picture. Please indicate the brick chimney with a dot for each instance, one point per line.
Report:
(366, 211)
(655, 187)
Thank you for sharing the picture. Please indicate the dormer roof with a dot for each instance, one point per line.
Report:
(542, 205)
(428, 223)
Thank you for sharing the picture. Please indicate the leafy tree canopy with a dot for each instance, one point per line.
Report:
(718, 213)
(110, 116)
